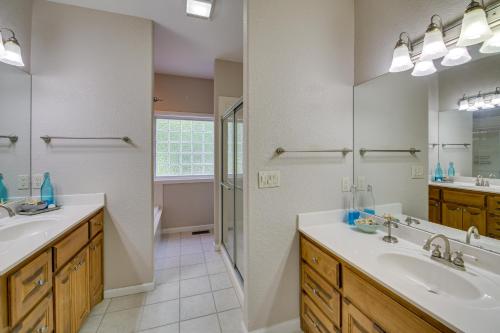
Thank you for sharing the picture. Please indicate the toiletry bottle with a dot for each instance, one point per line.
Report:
(47, 191)
(439, 173)
(4, 194)
(371, 209)
(353, 213)
(451, 170)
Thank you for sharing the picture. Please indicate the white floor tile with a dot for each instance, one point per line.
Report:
(172, 328)
(190, 249)
(216, 266)
(208, 324)
(213, 256)
(159, 314)
(162, 293)
(192, 259)
(220, 281)
(126, 321)
(231, 321)
(100, 308)
(192, 271)
(126, 302)
(91, 324)
(226, 299)
(196, 286)
(197, 306)
(168, 275)
(167, 262)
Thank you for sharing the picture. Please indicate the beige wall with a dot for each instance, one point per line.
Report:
(184, 94)
(93, 76)
(228, 82)
(16, 15)
(299, 58)
(189, 204)
(379, 23)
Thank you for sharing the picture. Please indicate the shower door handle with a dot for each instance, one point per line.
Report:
(226, 187)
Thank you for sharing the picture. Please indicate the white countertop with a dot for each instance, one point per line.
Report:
(50, 226)
(363, 252)
(468, 186)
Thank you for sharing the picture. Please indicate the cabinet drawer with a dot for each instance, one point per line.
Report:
(96, 224)
(434, 193)
(494, 204)
(464, 198)
(314, 319)
(326, 266)
(40, 320)
(323, 294)
(493, 226)
(380, 308)
(29, 285)
(69, 246)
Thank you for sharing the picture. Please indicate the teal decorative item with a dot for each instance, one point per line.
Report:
(47, 191)
(438, 176)
(451, 170)
(4, 193)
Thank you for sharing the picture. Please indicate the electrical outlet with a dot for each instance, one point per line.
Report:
(346, 184)
(37, 180)
(417, 172)
(23, 182)
(269, 179)
(361, 183)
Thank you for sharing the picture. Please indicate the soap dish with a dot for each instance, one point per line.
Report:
(367, 225)
(36, 212)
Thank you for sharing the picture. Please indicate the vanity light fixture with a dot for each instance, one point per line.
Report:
(481, 101)
(434, 46)
(488, 102)
(472, 106)
(496, 98)
(10, 52)
(463, 104)
(200, 8)
(401, 60)
(424, 68)
(2, 48)
(475, 27)
(492, 45)
(456, 56)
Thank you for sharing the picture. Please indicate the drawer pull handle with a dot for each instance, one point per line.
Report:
(42, 329)
(315, 260)
(40, 282)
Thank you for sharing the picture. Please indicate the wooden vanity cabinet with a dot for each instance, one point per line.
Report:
(435, 205)
(96, 276)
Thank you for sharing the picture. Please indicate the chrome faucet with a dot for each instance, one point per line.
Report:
(390, 222)
(454, 260)
(472, 231)
(8, 209)
(409, 220)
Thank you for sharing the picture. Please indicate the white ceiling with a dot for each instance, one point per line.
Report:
(184, 45)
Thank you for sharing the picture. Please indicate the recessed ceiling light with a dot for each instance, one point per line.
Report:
(200, 8)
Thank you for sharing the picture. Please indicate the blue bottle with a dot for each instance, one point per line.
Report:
(439, 173)
(4, 194)
(451, 170)
(47, 191)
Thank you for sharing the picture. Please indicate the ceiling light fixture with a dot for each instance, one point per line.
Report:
(492, 45)
(200, 8)
(10, 52)
(475, 27)
(424, 68)
(401, 60)
(456, 56)
(434, 46)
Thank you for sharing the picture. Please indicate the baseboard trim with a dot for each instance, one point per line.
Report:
(291, 326)
(131, 290)
(187, 229)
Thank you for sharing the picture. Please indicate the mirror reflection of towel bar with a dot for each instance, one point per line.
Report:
(280, 151)
(12, 138)
(47, 139)
(412, 151)
(465, 145)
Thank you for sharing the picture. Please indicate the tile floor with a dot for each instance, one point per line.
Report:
(193, 294)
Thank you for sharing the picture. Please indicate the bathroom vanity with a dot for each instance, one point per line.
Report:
(355, 282)
(51, 272)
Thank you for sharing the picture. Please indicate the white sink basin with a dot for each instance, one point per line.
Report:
(25, 228)
(433, 277)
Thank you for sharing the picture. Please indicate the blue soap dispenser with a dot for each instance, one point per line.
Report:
(451, 170)
(439, 173)
(4, 194)
(47, 191)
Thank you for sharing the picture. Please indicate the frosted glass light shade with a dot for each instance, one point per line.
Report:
(456, 56)
(463, 105)
(492, 45)
(496, 99)
(472, 106)
(475, 27)
(199, 8)
(12, 54)
(401, 60)
(479, 102)
(2, 48)
(434, 46)
(423, 68)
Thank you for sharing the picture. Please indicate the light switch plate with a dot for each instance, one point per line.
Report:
(269, 179)
(361, 183)
(417, 172)
(37, 180)
(23, 182)
(346, 184)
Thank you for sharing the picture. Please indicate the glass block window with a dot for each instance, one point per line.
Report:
(184, 147)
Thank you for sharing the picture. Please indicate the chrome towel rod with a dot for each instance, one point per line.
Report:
(412, 151)
(465, 145)
(47, 139)
(280, 151)
(12, 138)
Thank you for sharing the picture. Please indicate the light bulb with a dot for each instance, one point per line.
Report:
(456, 56)
(423, 68)
(475, 27)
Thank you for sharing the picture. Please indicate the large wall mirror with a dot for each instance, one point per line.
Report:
(421, 143)
(15, 132)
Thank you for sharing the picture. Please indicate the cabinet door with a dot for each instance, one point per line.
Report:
(96, 270)
(80, 289)
(452, 215)
(353, 321)
(435, 211)
(62, 290)
(474, 217)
